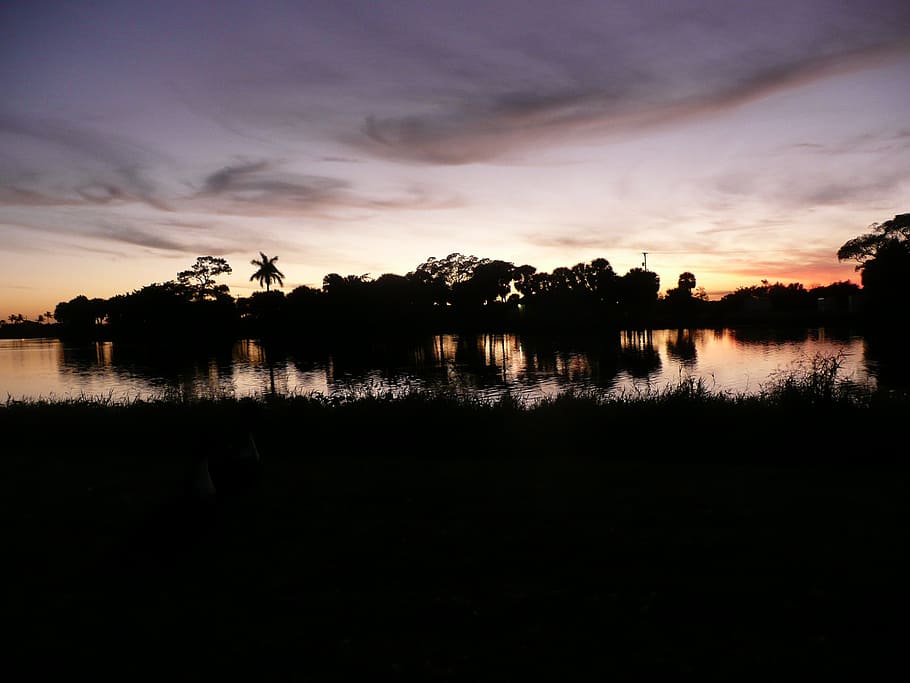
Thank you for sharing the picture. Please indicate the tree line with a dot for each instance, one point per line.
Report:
(466, 292)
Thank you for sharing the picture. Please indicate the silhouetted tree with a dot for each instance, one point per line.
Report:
(489, 281)
(155, 309)
(585, 295)
(679, 305)
(396, 302)
(523, 278)
(766, 297)
(304, 297)
(837, 296)
(686, 282)
(683, 291)
(439, 276)
(267, 272)
(305, 310)
(200, 279)
(346, 300)
(80, 315)
(790, 297)
(841, 288)
(883, 257)
(562, 280)
(392, 290)
(638, 293)
(344, 289)
(265, 312)
(600, 281)
(884, 281)
(867, 246)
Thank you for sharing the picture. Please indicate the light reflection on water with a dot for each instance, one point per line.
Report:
(485, 366)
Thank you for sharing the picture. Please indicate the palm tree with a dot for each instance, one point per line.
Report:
(268, 272)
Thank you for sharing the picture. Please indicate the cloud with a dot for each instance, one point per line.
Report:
(93, 192)
(260, 183)
(489, 125)
(414, 198)
(733, 225)
(129, 234)
(109, 167)
(247, 188)
(851, 181)
(179, 237)
(564, 241)
(89, 228)
(12, 195)
(123, 231)
(254, 188)
(78, 140)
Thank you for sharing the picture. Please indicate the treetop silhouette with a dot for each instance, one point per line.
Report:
(881, 237)
(267, 272)
(200, 278)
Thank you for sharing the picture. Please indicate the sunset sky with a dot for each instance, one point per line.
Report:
(737, 140)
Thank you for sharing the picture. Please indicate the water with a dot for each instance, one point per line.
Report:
(479, 365)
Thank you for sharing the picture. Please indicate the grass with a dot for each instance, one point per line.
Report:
(679, 531)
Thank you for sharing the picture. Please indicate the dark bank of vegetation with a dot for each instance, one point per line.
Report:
(467, 293)
(432, 537)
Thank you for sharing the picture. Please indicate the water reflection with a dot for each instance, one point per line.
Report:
(105, 367)
(640, 358)
(83, 360)
(482, 365)
(682, 348)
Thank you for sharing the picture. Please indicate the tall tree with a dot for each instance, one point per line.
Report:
(881, 236)
(883, 256)
(686, 283)
(440, 276)
(638, 291)
(490, 280)
(267, 272)
(201, 277)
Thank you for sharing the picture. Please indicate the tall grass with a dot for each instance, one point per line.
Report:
(816, 381)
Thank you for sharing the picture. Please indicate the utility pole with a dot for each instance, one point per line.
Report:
(645, 262)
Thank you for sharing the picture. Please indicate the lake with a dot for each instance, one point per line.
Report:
(486, 366)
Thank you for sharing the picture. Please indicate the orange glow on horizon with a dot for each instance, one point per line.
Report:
(34, 302)
(718, 285)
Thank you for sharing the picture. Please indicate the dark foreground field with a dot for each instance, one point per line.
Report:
(400, 540)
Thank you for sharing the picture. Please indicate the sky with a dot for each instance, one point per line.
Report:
(739, 141)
